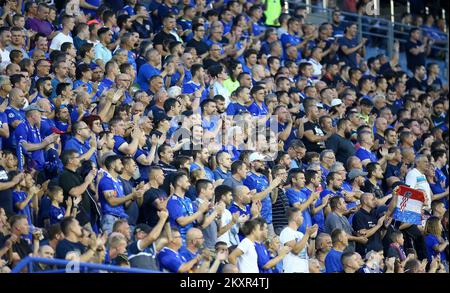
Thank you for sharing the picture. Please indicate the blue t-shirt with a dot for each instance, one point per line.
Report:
(46, 126)
(333, 262)
(208, 172)
(108, 183)
(210, 125)
(235, 108)
(191, 87)
(364, 154)
(319, 217)
(143, 169)
(169, 260)
(56, 214)
(18, 197)
(350, 59)
(3, 120)
(255, 110)
(430, 242)
(118, 141)
(13, 115)
(219, 174)
(79, 83)
(104, 85)
(31, 134)
(260, 183)
(186, 254)
(295, 196)
(81, 148)
(290, 40)
(235, 208)
(263, 258)
(145, 72)
(180, 207)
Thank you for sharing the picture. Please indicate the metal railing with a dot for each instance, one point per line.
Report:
(380, 32)
(81, 267)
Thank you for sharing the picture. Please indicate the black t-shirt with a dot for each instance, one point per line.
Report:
(365, 220)
(148, 212)
(64, 246)
(280, 210)
(375, 189)
(418, 84)
(6, 200)
(163, 38)
(413, 60)
(200, 46)
(133, 209)
(209, 62)
(22, 248)
(69, 180)
(313, 146)
(342, 148)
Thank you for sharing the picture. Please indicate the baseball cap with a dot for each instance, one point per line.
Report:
(33, 107)
(336, 102)
(256, 156)
(355, 173)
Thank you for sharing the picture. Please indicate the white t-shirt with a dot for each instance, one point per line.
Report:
(225, 220)
(4, 59)
(294, 263)
(248, 262)
(415, 179)
(60, 39)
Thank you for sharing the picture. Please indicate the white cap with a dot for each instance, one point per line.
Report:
(336, 102)
(256, 156)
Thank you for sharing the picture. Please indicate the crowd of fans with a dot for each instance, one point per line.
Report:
(191, 136)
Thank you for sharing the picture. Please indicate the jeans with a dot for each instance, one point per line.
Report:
(108, 223)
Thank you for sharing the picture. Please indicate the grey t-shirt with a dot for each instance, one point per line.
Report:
(210, 232)
(334, 221)
(231, 182)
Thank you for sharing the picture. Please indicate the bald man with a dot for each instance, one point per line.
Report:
(45, 251)
(194, 242)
